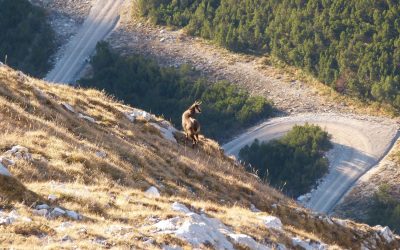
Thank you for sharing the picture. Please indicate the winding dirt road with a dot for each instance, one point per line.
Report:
(359, 144)
(102, 18)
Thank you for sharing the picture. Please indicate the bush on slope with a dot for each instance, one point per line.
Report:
(25, 38)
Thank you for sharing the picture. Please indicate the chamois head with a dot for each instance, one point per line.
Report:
(195, 108)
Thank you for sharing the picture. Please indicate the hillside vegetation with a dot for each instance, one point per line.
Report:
(25, 38)
(293, 163)
(78, 150)
(169, 91)
(352, 46)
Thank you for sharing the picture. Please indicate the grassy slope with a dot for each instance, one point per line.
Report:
(109, 191)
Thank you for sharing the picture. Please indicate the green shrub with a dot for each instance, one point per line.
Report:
(26, 37)
(385, 209)
(295, 162)
(169, 91)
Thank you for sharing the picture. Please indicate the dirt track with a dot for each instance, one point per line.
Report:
(359, 144)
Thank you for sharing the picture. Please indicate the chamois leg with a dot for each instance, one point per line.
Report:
(197, 138)
(192, 136)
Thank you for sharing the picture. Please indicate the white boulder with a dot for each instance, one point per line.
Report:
(56, 212)
(272, 222)
(152, 192)
(199, 229)
(40, 212)
(73, 215)
(101, 154)
(178, 207)
(247, 241)
(254, 209)
(87, 118)
(308, 245)
(68, 107)
(43, 206)
(6, 162)
(386, 233)
(168, 132)
(168, 226)
(137, 113)
(52, 197)
(4, 171)
(19, 152)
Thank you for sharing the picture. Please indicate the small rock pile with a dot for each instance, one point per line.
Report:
(165, 127)
(16, 152)
(11, 217)
(71, 109)
(51, 213)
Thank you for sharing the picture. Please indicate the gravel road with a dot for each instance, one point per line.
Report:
(102, 18)
(359, 143)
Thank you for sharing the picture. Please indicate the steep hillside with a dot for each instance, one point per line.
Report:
(87, 172)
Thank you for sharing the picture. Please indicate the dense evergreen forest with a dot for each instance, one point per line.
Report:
(169, 91)
(293, 163)
(353, 46)
(26, 37)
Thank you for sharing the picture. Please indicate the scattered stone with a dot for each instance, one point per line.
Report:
(52, 197)
(308, 245)
(68, 107)
(137, 113)
(11, 218)
(167, 225)
(254, 209)
(162, 39)
(19, 152)
(178, 207)
(6, 162)
(101, 154)
(341, 222)
(168, 132)
(64, 226)
(40, 212)
(57, 212)
(87, 118)
(66, 238)
(73, 215)
(148, 241)
(247, 241)
(43, 206)
(152, 192)
(385, 232)
(272, 222)
(199, 229)
(4, 171)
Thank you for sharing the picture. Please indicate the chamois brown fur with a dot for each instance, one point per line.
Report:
(190, 125)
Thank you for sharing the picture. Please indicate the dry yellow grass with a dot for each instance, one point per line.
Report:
(110, 191)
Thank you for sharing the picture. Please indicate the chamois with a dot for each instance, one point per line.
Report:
(190, 125)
